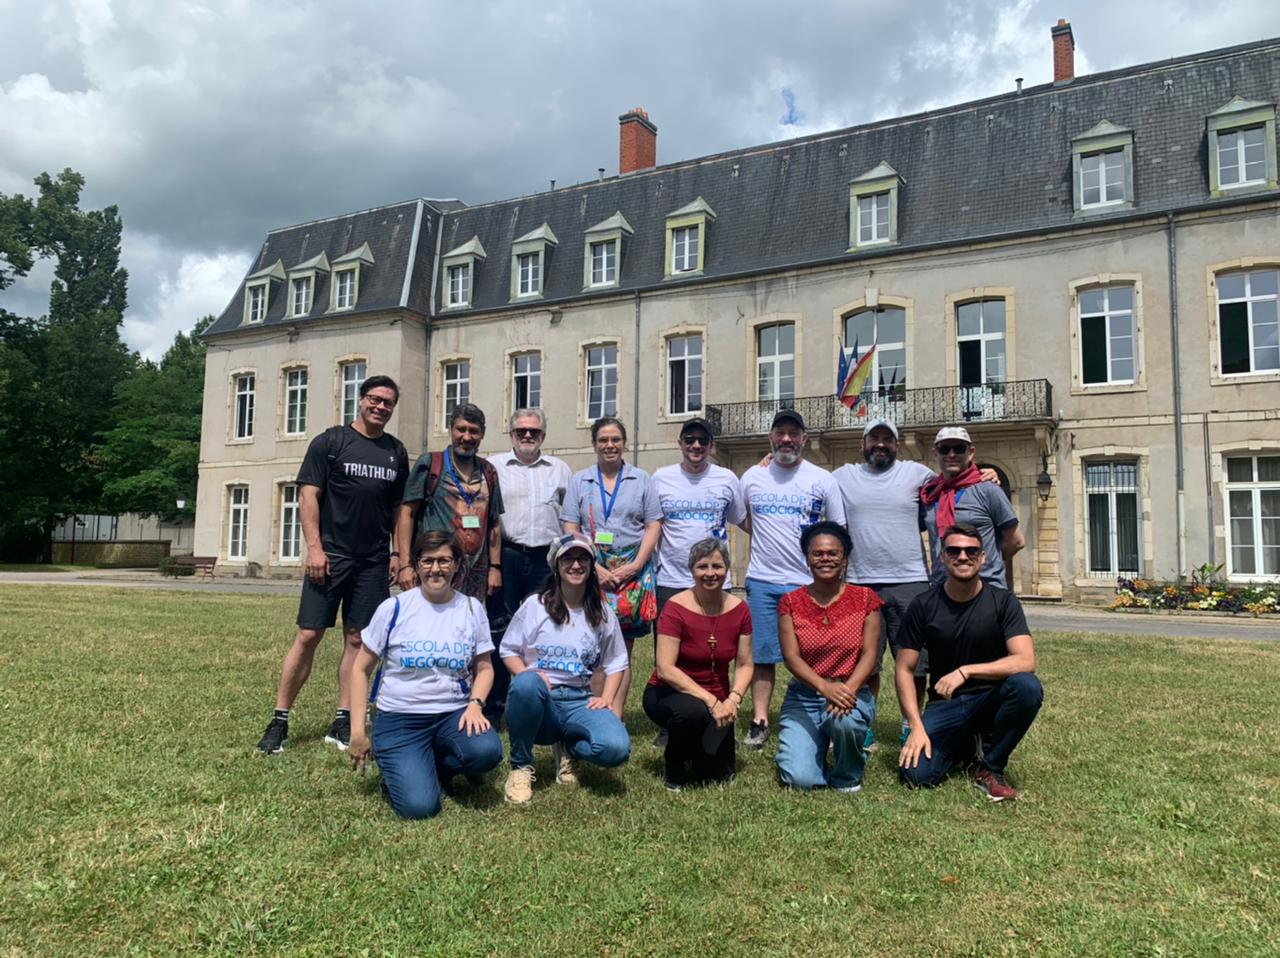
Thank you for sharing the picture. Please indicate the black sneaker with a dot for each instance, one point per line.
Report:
(757, 735)
(339, 733)
(274, 737)
(660, 740)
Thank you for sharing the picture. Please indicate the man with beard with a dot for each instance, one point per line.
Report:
(457, 491)
(350, 481)
(783, 498)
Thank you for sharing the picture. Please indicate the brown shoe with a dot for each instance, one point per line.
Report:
(566, 771)
(519, 787)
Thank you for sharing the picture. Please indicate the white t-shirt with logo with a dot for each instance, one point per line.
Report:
(782, 503)
(883, 511)
(694, 507)
(567, 654)
(430, 651)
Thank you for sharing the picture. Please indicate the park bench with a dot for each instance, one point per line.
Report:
(202, 564)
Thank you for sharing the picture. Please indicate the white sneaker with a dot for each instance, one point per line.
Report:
(519, 787)
(566, 771)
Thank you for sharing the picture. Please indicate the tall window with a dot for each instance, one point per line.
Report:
(885, 326)
(460, 285)
(290, 522)
(873, 218)
(302, 296)
(295, 402)
(526, 380)
(1106, 335)
(776, 362)
(244, 406)
(1247, 330)
(1111, 499)
(602, 381)
(1102, 178)
(237, 521)
(980, 342)
(257, 303)
(353, 374)
(530, 267)
(1253, 506)
(1242, 156)
(345, 298)
(684, 374)
(604, 263)
(457, 387)
(684, 249)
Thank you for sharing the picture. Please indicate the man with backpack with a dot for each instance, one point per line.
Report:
(350, 481)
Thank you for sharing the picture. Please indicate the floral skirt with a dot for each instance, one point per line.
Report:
(636, 602)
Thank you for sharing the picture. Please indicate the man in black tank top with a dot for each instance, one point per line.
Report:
(982, 663)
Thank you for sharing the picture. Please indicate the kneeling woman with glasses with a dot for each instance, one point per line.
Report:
(830, 633)
(553, 643)
(434, 647)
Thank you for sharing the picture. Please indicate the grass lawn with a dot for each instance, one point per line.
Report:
(137, 818)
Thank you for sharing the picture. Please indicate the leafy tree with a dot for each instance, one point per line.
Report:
(151, 456)
(59, 372)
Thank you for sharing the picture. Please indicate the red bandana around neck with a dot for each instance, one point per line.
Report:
(943, 491)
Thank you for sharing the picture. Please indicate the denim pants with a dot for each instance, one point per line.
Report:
(1000, 714)
(537, 715)
(805, 729)
(523, 573)
(419, 754)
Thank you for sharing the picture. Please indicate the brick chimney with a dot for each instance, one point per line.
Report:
(1064, 53)
(637, 142)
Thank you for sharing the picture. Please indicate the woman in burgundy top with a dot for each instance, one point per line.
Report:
(829, 632)
(700, 631)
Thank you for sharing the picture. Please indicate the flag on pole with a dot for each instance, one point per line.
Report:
(854, 372)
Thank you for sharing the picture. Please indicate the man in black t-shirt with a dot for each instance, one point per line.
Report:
(350, 482)
(982, 663)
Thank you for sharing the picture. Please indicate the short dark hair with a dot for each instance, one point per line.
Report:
(434, 539)
(706, 547)
(961, 529)
(467, 412)
(608, 421)
(826, 528)
(379, 382)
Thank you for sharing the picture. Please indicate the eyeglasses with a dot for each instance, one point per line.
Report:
(702, 441)
(949, 450)
(969, 552)
(428, 562)
(522, 431)
(380, 401)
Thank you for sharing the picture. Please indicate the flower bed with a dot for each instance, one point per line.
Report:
(1197, 596)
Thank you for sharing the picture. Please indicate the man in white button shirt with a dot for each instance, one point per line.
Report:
(533, 489)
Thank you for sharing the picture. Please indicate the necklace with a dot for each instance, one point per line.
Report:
(711, 639)
(824, 606)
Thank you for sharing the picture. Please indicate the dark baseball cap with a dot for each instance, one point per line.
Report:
(696, 423)
(788, 415)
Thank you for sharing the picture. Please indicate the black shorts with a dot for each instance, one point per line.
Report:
(358, 585)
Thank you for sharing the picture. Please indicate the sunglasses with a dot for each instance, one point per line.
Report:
(949, 450)
(521, 431)
(702, 441)
(969, 552)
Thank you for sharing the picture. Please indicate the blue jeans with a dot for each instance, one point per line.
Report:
(1001, 715)
(762, 600)
(417, 754)
(542, 716)
(805, 729)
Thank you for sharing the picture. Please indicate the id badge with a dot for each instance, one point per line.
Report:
(471, 522)
(604, 538)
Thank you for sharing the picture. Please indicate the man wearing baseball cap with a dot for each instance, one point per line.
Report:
(783, 499)
(959, 495)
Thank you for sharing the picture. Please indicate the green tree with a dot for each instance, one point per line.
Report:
(59, 372)
(151, 456)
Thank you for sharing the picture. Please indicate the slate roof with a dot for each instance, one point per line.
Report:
(389, 232)
(978, 170)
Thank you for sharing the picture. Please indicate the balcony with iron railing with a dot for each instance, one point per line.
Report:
(1029, 400)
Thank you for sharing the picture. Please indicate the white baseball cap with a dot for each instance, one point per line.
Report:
(877, 424)
(953, 432)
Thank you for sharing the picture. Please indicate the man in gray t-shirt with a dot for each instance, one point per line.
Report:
(959, 495)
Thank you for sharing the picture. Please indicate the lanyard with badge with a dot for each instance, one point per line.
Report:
(470, 520)
(607, 501)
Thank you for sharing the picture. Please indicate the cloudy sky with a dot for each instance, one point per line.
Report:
(210, 123)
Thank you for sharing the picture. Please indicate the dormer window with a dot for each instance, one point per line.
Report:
(529, 256)
(302, 285)
(602, 252)
(1242, 146)
(460, 272)
(873, 207)
(257, 292)
(687, 238)
(345, 289)
(300, 295)
(1102, 169)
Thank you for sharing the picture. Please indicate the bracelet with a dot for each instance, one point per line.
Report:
(479, 702)
(737, 693)
(962, 675)
(495, 565)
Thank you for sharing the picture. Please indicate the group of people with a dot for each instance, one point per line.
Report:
(524, 586)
